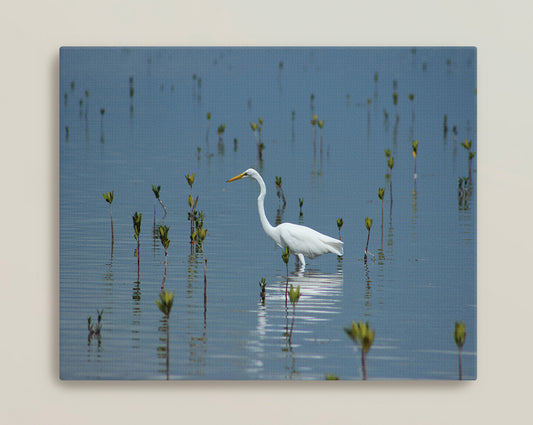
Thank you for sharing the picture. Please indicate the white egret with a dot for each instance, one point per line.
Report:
(301, 240)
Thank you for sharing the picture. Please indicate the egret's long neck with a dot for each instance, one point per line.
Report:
(267, 227)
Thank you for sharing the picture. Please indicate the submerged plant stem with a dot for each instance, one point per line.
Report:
(165, 274)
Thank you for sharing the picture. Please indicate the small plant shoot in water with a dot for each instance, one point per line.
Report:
(390, 164)
(137, 218)
(165, 241)
(381, 196)
(259, 144)
(368, 225)
(165, 302)
(279, 191)
(294, 297)
(415, 153)
(220, 131)
(361, 335)
(109, 196)
(193, 202)
(313, 123)
(320, 124)
(459, 336)
(468, 146)
(102, 112)
(262, 285)
(156, 190)
(339, 226)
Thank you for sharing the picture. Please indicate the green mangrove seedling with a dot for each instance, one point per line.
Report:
(260, 129)
(193, 202)
(262, 285)
(339, 226)
(279, 191)
(294, 297)
(165, 302)
(102, 112)
(468, 146)
(258, 143)
(459, 336)
(387, 155)
(109, 196)
(132, 91)
(165, 241)
(293, 117)
(331, 377)
(415, 153)
(156, 190)
(199, 90)
(381, 196)
(86, 104)
(200, 236)
(320, 124)
(220, 131)
(313, 123)
(411, 99)
(285, 255)
(137, 218)
(395, 101)
(361, 334)
(208, 116)
(390, 164)
(368, 225)
(445, 126)
(190, 179)
(301, 203)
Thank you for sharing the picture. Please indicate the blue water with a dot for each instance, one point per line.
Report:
(422, 279)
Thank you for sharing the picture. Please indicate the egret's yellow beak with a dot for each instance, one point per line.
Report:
(240, 176)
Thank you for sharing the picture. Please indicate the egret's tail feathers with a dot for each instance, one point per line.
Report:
(336, 247)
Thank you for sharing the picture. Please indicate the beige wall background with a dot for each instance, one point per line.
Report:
(31, 33)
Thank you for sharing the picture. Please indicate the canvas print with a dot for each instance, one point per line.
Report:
(268, 213)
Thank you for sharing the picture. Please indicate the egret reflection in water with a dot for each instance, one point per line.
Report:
(320, 302)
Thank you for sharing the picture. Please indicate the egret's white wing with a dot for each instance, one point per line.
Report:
(306, 241)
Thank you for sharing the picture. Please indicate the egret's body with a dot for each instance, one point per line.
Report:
(301, 240)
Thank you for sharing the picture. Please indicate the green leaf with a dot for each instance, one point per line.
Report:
(165, 302)
(286, 255)
(459, 334)
(190, 179)
(294, 295)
